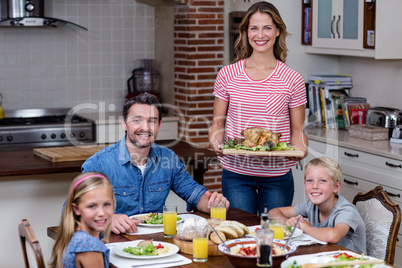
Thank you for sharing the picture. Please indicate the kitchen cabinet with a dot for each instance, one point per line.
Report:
(362, 172)
(338, 24)
(345, 28)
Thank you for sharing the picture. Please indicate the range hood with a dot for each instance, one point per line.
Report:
(20, 13)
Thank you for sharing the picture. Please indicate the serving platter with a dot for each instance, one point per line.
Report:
(139, 216)
(291, 153)
(323, 257)
(118, 250)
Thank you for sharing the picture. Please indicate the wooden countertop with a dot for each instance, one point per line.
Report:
(21, 160)
(341, 138)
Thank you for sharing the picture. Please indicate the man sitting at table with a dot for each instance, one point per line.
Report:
(143, 173)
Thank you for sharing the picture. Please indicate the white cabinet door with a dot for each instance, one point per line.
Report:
(338, 24)
(298, 178)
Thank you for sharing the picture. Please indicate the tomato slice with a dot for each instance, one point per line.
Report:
(159, 246)
(346, 255)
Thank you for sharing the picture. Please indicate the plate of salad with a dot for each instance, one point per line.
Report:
(152, 219)
(145, 249)
(332, 256)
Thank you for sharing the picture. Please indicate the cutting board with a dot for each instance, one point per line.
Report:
(187, 247)
(67, 153)
(292, 153)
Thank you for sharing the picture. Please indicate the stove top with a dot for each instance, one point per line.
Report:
(56, 119)
(44, 127)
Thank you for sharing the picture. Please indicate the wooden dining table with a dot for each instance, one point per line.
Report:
(235, 214)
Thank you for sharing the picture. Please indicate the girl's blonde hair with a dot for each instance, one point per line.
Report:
(243, 48)
(334, 169)
(69, 222)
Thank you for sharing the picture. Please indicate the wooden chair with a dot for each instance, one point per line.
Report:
(382, 218)
(27, 236)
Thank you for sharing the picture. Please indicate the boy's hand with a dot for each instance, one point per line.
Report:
(304, 225)
(293, 220)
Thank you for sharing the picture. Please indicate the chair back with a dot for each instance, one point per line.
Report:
(382, 218)
(27, 236)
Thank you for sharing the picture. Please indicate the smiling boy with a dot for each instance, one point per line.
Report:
(331, 217)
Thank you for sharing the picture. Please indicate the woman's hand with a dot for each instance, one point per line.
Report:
(217, 129)
(216, 141)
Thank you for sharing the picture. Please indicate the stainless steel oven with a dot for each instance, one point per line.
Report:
(44, 127)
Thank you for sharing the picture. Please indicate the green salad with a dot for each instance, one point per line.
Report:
(140, 250)
(156, 218)
(268, 146)
(340, 257)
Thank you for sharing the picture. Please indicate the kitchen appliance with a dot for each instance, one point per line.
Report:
(384, 117)
(25, 8)
(28, 13)
(144, 79)
(397, 134)
(44, 127)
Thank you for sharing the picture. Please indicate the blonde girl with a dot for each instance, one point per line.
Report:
(86, 218)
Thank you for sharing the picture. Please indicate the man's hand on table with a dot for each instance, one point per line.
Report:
(207, 198)
(121, 224)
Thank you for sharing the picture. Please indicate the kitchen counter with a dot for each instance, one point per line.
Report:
(22, 161)
(341, 138)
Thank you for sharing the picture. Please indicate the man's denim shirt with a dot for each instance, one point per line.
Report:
(136, 194)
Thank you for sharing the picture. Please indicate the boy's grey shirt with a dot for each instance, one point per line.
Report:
(342, 212)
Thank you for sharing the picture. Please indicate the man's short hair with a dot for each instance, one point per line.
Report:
(143, 98)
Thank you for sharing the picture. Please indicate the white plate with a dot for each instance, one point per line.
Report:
(322, 257)
(118, 250)
(151, 225)
(297, 233)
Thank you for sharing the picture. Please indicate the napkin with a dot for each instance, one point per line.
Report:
(122, 262)
(151, 230)
(305, 240)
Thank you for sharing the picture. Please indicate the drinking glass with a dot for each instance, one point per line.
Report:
(277, 225)
(169, 220)
(200, 245)
(265, 239)
(218, 209)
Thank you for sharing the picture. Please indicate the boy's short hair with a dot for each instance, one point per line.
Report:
(333, 167)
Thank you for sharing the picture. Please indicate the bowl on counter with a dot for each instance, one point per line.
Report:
(251, 261)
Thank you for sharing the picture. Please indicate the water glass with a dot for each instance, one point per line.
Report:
(265, 239)
(169, 220)
(218, 209)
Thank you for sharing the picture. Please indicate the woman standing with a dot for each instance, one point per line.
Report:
(259, 90)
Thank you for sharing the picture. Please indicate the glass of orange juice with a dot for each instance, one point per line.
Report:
(277, 225)
(169, 220)
(200, 245)
(218, 209)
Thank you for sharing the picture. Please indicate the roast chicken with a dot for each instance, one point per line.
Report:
(259, 136)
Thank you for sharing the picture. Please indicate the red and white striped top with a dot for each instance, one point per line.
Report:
(259, 103)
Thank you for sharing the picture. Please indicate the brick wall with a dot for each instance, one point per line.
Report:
(198, 48)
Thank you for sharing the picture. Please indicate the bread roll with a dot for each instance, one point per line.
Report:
(228, 231)
(185, 230)
(214, 221)
(214, 238)
(231, 224)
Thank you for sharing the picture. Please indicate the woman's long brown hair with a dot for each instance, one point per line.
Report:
(243, 48)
